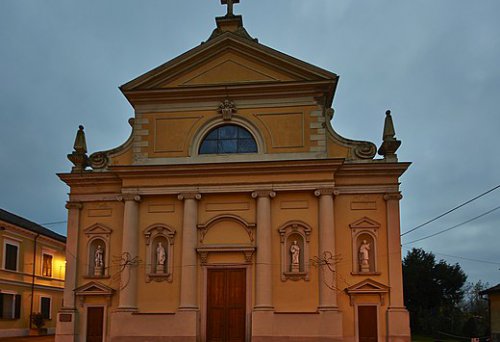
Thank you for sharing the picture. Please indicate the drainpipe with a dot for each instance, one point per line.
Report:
(33, 281)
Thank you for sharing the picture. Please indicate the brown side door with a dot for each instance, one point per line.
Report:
(95, 320)
(367, 324)
(226, 305)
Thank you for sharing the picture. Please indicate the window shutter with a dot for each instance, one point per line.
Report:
(1, 305)
(17, 310)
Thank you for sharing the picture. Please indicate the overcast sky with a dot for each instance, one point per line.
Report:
(434, 63)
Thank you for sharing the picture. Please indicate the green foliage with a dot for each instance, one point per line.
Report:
(38, 320)
(433, 292)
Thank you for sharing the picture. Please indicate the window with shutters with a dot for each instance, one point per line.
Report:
(11, 256)
(10, 306)
(45, 306)
(47, 265)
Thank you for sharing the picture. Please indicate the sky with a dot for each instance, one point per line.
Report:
(434, 64)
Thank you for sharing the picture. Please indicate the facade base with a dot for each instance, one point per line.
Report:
(398, 325)
(323, 326)
(65, 328)
(181, 326)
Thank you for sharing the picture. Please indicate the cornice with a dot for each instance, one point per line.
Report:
(371, 169)
(247, 91)
(89, 178)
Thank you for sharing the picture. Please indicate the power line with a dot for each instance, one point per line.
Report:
(464, 258)
(52, 223)
(453, 227)
(451, 210)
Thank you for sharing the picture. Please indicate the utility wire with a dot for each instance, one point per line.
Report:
(451, 210)
(52, 223)
(463, 258)
(453, 227)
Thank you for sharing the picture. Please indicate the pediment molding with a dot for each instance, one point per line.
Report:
(365, 223)
(367, 287)
(94, 288)
(97, 229)
(197, 57)
(204, 227)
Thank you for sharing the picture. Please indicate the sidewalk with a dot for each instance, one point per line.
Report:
(49, 338)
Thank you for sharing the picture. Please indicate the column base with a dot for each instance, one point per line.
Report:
(398, 325)
(269, 326)
(65, 326)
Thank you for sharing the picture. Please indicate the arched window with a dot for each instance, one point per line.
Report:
(228, 139)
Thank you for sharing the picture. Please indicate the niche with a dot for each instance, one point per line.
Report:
(364, 234)
(159, 252)
(295, 238)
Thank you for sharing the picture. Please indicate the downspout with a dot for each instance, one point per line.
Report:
(33, 281)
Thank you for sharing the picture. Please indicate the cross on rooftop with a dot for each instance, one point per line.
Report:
(229, 4)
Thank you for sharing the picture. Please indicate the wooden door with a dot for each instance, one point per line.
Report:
(367, 323)
(226, 305)
(95, 322)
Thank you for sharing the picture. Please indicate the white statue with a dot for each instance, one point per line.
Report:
(161, 256)
(364, 256)
(295, 251)
(98, 260)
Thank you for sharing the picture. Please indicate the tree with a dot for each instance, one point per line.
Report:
(433, 292)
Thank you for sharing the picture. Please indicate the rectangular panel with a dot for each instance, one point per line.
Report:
(233, 206)
(294, 204)
(368, 205)
(161, 208)
(99, 212)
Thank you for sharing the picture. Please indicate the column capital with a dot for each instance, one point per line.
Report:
(74, 205)
(326, 191)
(263, 193)
(396, 196)
(129, 197)
(189, 195)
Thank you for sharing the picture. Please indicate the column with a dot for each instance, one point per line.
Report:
(394, 250)
(398, 318)
(189, 298)
(263, 269)
(74, 209)
(327, 278)
(130, 237)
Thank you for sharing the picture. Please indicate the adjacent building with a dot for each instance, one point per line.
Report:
(31, 274)
(234, 212)
(493, 294)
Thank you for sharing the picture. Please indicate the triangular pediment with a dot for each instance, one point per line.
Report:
(367, 286)
(365, 223)
(94, 288)
(228, 59)
(98, 229)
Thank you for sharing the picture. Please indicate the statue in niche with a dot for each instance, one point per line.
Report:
(295, 252)
(364, 256)
(161, 257)
(98, 261)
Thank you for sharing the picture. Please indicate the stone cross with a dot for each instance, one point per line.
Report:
(229, 4)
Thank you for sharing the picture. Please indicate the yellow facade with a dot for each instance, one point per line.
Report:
(31, 275)
(181, 223)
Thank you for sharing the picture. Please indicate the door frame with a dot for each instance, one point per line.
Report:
(356, 319)
(104, 319)
(248, 303)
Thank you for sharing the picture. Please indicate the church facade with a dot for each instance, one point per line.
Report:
(234, 212)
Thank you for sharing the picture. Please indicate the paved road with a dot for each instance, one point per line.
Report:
(28, 339)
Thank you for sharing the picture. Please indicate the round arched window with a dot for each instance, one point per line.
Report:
(228, 139)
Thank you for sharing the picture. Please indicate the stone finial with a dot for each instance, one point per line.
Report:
(79, 156)
(389, 142)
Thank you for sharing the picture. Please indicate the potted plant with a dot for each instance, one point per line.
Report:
(38, 321)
